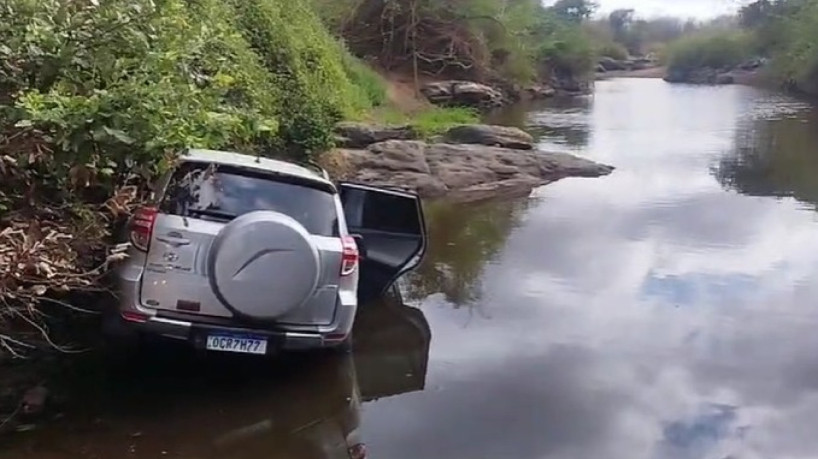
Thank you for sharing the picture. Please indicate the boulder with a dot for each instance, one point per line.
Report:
(540, 92)
(361, 135)
(483, 134)
(725, 78)
(611, 64)
(463, 93)
(462, 171)
(702, 76)
(570, 85)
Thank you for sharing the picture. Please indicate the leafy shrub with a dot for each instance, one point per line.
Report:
(716, 50)
(370, 85)
(795, 47)
(613, 50)
(569, 52)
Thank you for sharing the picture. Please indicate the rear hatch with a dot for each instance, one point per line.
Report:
(198, 201)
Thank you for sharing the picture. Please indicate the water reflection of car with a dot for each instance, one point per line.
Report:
(320, 419)
(295, 407)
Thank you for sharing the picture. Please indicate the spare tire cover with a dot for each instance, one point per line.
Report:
(263, 265)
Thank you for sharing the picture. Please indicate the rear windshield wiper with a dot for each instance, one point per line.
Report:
(220, 214)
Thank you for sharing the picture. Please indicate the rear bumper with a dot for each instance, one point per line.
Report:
(196, 333)
(145, 321)
(138, 321)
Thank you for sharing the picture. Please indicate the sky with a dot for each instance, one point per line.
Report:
(699, 9)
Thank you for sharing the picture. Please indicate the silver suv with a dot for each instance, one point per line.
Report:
(251, 255)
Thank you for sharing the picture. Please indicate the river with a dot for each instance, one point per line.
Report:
(663, 312)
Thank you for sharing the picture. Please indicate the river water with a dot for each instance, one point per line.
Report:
(665, 311)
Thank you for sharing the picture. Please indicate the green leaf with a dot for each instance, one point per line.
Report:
(119, 135)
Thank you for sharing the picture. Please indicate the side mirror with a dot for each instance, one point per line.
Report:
(359, 241)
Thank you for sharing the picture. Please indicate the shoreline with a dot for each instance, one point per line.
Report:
(653, 72)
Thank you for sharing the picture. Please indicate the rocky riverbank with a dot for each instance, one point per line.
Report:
(745, 73)
(488, 96)
(469, 163)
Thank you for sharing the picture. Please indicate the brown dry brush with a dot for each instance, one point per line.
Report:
(52, 248)
(428, 36)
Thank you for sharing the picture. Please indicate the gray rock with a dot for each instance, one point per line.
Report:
(701, 76)
(463, 93)
(725, 78)
(483, 134)
(463, 171)
(611, 64)
(361, 135)
(540, 92)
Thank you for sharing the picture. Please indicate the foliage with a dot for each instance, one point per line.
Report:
(715, 50)
(96, 96)
(367, 82)
(471, 39)
(612, 49)
(638, 36)
(787, 31)
(574, 10)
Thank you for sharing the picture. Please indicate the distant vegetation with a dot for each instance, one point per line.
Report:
(622, 33)
(520, 41)
(712, 49)
(785, 31)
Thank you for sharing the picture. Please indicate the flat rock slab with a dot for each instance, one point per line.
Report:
(463, 93)
(360, 135)
(484, 134)
(461, 171)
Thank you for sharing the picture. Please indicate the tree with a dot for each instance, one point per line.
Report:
(620, 21)
(574, 10)
(756, 14)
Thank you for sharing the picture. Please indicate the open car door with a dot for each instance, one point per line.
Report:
(393, 234)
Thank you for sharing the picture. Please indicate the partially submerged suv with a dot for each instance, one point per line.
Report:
(250, 255)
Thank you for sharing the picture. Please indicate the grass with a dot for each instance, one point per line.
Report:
(428, 122)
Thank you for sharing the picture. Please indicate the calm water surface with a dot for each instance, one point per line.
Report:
(666, 311)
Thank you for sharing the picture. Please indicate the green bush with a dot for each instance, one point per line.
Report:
(612, 49)
(794, 48)
(370, 87)
(716, 50)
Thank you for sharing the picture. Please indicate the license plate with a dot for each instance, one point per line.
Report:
(240, 344)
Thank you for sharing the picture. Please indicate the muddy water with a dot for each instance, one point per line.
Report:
(665, 311)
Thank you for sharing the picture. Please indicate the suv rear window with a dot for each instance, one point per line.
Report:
(218, 192)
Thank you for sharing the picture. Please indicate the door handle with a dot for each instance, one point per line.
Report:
(175, 242)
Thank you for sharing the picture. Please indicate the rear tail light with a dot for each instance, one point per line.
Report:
(349, 259)
(137, 317)
(142, 227)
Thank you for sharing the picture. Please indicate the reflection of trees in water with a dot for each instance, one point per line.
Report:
(462, 240)
(561, 121)
(774, 158)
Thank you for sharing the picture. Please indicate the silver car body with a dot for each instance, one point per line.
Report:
(279, 266)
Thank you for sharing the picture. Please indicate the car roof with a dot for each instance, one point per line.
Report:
(257, 163)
